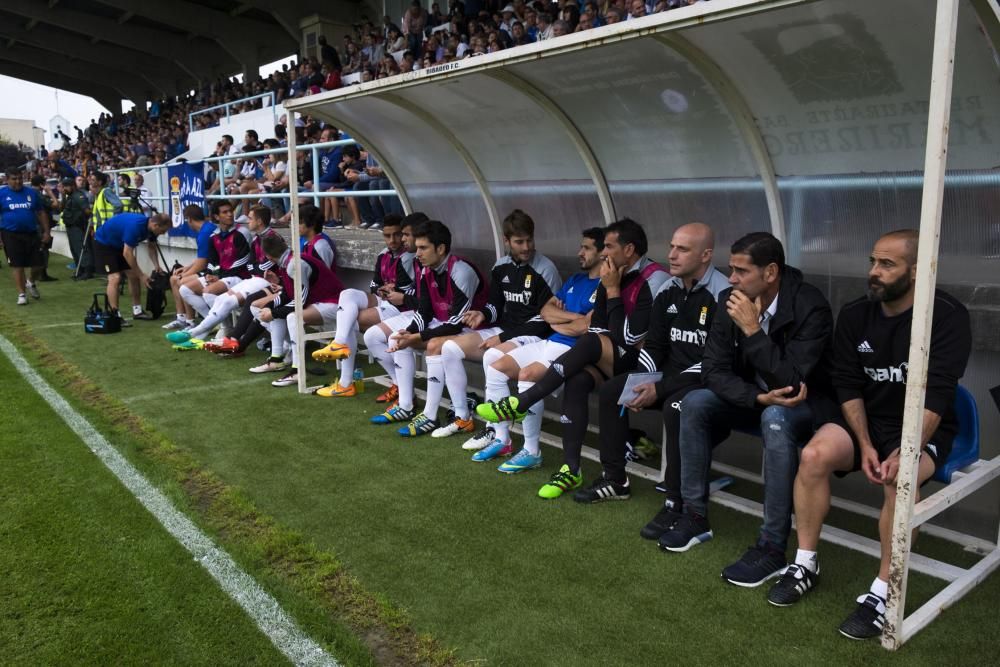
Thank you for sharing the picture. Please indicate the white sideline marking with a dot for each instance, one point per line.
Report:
(190, 390)
(257, 603)
(78, 323)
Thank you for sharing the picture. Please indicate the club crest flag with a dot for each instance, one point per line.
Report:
(186, 186)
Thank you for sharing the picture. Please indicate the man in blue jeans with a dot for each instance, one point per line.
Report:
(764, 366)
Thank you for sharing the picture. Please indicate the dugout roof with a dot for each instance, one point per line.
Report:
(805, 118)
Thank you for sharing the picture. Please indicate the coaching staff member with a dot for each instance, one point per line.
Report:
(24, 229)
(114, 250)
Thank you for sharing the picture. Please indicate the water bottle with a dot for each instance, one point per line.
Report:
(359, 381)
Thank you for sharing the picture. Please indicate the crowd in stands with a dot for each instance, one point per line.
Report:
(422, 38)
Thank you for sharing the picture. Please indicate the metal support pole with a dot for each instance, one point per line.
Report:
(315, 164)
(935, 162)
(295, 265)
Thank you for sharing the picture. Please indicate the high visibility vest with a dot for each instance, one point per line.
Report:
(102, 209)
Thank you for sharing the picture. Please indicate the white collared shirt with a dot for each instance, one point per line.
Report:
(767, 315)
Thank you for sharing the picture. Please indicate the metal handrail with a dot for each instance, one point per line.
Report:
(314, 149)
(160, 175)
(269, 95)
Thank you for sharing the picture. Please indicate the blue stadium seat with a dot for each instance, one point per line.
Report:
(965, 449)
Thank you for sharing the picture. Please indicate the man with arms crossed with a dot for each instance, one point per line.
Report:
(870, 355)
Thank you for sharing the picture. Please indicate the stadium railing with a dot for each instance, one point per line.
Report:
(269, 96)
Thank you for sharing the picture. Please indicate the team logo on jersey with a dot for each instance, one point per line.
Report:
(593, 296)
(527, 281)
(703, 317)
(672, 310)
(505, 279)
(696, 337)
(570, 291)
(865, 347)
(891, 374)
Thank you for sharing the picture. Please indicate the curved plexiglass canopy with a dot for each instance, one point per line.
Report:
(801, 118)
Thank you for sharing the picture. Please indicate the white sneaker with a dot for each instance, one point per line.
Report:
(480, 440)
(456, 426)
(22, 300)
(178, 323)
(271, 366)
(33, 290)
(287, 380)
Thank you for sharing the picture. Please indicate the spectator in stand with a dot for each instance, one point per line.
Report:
(531, 23)
(456, 8)
(328, 54)
(613, 15)
(387, 67)
(408, 63)
(560, 28)
(637, 9)
(395, 41)
(585, 23)
(545, 28)
(350, 168)
(570, 13)
(387, 27)
(518, 36)
(371, 50)
(507, 19)
(353, 62)
(414, 22)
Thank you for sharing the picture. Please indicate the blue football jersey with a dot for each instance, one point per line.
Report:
(578, 295)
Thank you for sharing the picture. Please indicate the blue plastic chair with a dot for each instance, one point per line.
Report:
(965, 448)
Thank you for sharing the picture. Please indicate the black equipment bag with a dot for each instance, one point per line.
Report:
(156, 291)
(100, 321)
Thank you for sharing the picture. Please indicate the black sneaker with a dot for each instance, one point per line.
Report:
(375, 226)
(867, 620)
(793, 584)
(603, 489)
(662, 487)
(689, 530)
(761, 562)
(662, 522)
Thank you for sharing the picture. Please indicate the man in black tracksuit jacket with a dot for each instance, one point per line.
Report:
(764, 367)
(680, 320)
